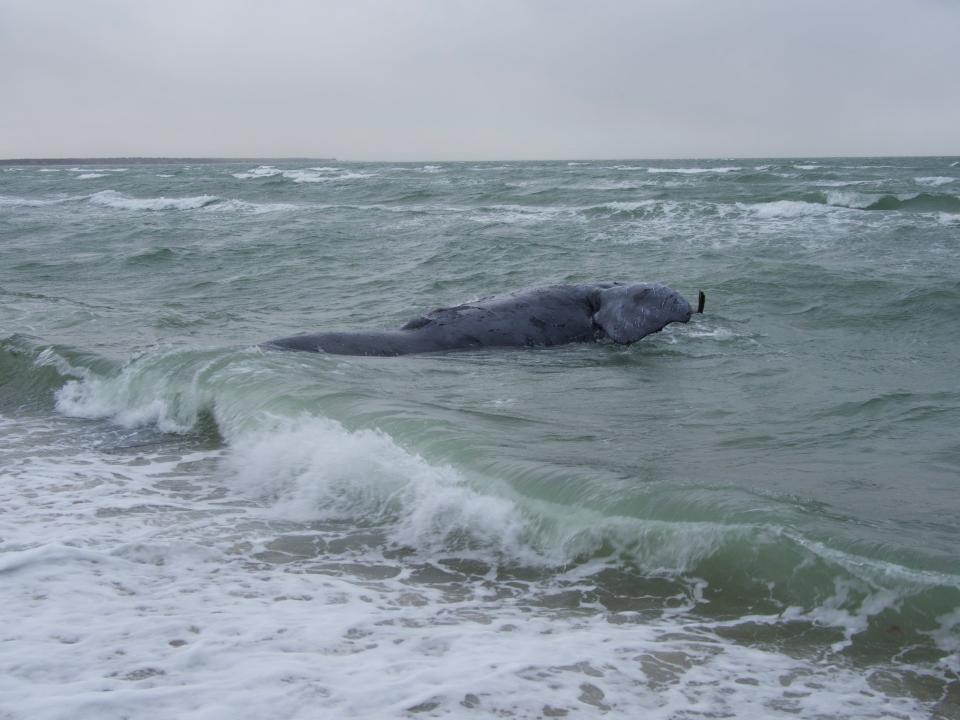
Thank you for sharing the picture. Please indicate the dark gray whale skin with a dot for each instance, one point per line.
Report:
(543, 316)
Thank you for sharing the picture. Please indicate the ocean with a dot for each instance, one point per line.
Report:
(753, 515)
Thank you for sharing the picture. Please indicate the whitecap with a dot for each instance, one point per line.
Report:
(248, 207)
(258, 172)
(613, 185)
(933, 181)
(90, 176)
(325, 174)
(519, 214)
(96, 169)
(119, 201)
(847, 183)
(785, 209)
(630, 206)
(13, 201)
(692, 171)
(313, 468)
(859, 201)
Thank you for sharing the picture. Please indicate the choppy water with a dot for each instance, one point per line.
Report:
(753, 515)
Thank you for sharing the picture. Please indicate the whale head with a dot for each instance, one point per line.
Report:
(627, 313)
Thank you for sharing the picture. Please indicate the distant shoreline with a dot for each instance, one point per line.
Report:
(150, 160)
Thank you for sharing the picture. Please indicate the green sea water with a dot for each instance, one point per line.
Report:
(755, 514)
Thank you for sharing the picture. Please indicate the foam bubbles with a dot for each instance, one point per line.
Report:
(320, 174)
(785, 209)
(936, 181)
(250, 207)
(315, 469)
(149, 589)
(212, 203)
(849, 199)
(693, 171)
(261, 171)
(119, 201)
(325, 175)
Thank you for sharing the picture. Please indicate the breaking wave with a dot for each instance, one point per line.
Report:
(311, 468)
(819, 204)
(119, 201)
(309, 175)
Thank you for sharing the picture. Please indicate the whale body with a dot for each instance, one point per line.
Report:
(542, 316)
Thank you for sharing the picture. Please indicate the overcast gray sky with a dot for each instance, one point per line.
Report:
(484, 79)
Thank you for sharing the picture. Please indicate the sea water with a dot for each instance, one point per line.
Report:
(752, 515)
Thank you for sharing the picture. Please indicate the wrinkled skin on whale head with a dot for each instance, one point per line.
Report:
(543, 316)
(630, 312)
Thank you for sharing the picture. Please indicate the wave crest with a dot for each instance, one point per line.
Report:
(119, 201)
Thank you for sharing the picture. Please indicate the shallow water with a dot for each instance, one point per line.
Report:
(752, 515)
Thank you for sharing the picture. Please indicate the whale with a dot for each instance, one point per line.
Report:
(616, 312)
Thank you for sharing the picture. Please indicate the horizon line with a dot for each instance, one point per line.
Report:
(157, 159)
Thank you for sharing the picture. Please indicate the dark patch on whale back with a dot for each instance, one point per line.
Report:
(416, 323)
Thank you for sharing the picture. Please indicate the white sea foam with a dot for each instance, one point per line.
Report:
(11, 201)
(848, 183)
(258, 172)
(157, 584)
(325, 175)
(249, 207)
(520, 214)
(717, 333)
(630, 206)
(208, 203)
(313, 468)
(91, 176)
(119, 201)
(808, 167)
(693, 171)
(614, 185)
(785, 209)
(151, 589)
(431, 169)
(933, 181)
(96, 169)
(848, 199)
